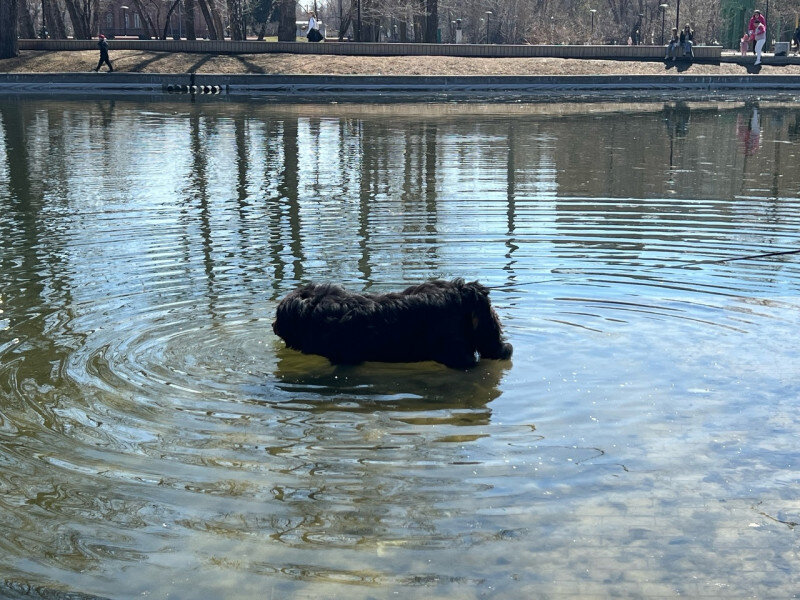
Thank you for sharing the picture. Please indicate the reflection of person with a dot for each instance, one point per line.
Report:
(672, 48)
(686, 39)
(103, 45)
(676, 119)
(749, 132)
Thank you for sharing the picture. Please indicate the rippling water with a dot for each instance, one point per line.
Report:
(157, 440)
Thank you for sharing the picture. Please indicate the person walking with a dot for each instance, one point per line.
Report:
(313, 33)
(796, 40)
(103, 45)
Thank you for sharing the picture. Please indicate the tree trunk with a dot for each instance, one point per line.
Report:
(83, 14)
(431, 21)
(166, 20)
(149, 27)
(419, 28)
(215, 14)
(9, 11)
(213, 21)
(53, 20)
(236, 18)
(25, 21)
(188, 20)
(286, 20)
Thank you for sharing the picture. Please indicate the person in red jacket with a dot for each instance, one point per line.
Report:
(754, 21)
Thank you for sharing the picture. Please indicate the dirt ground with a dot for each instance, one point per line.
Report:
(167, 62)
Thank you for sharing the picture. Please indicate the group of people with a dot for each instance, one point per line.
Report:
(684, 41)
(756, 32)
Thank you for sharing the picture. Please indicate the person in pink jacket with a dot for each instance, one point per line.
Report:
(744, 43)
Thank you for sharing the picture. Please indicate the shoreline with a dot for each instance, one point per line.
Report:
(371, 77)
(318, 86)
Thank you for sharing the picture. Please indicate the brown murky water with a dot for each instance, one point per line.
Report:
(157, 440)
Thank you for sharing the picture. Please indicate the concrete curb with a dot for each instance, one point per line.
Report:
(331, 85)
(606, 52)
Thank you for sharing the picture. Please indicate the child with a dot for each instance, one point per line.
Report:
(744, 43)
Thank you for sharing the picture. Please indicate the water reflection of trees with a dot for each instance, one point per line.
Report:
(368, 197)
(34, 282)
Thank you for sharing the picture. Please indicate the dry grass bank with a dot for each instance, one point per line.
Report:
(167, 62)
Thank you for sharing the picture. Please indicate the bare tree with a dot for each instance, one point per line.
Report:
(9, 10)
(147, 18)
(53, 19)
(25, 21)
(285, 11)
(171, 9)
(84, 17)
(188, 19)
(216, 31)
(236, 19)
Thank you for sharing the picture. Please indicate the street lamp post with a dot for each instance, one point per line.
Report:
(593, 10)
(678, 15)
(124, 20)
(663, 8)
(488, 14)
(358, 23)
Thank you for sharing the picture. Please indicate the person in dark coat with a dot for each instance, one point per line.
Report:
(687, 41)
(103, 45)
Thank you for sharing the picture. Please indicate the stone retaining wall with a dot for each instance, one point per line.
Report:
(705, 53)
(373, 86)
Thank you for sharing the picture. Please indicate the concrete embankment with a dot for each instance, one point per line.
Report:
(366, 85)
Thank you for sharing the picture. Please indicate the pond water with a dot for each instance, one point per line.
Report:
(157, 440)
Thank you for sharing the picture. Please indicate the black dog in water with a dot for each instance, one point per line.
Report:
(445, 321)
